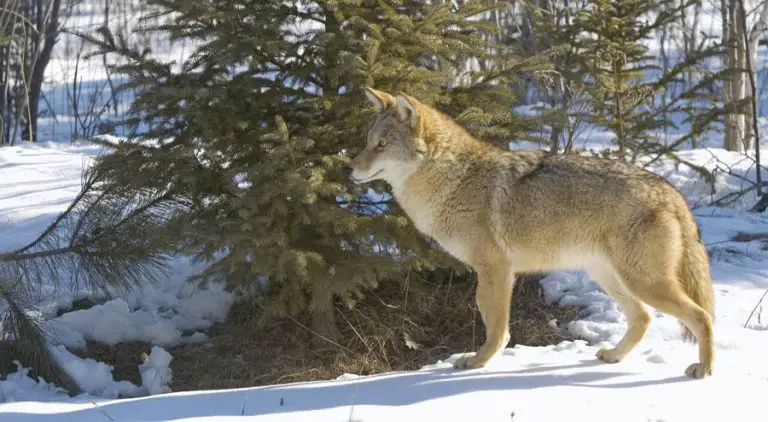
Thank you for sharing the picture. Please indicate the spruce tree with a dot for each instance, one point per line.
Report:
(618, 63)
(610, 79)
(254, 129)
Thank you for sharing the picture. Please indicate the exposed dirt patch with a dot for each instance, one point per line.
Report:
(77, 305)
(396, 328)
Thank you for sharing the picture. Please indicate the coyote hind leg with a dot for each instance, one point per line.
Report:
(667, 296)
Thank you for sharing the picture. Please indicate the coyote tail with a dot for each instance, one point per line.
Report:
(693, 271)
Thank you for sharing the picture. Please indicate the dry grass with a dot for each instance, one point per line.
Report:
(400, 326)
(434, 313)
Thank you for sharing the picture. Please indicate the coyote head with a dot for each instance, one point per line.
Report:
(395, 147)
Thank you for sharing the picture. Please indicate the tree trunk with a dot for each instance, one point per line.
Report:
(4, 96)
(739, 134)
(735, 83)
(750, 65)
(49, 28)
(691, 46)
(324, 327)
(740, 84)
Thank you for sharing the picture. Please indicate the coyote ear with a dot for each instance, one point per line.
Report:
(406, 110)
(380, 99)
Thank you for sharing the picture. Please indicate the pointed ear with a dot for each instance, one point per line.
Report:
(380, 99)
(407, 110)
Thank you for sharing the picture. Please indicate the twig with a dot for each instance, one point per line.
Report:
(755, 308)
(320, 335)
(357, 333)
(102, 142)
(20, 256)
(23, 18)
(51, 227)
(106, 415)
(245, 402)
(732, 197)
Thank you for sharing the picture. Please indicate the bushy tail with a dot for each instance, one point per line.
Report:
(693, 272)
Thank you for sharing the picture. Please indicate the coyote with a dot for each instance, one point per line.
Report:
(503, 212)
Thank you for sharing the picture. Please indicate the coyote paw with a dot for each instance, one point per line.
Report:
(608, 355)
(698, 370)
(468, 361)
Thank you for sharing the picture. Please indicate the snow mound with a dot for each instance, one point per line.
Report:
(601, 318)
(93, 377)
(159, 320)
(19, 386)
(156, 372)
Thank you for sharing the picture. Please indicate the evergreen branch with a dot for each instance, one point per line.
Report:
(21, 256)
(138, 211)
(25, 339)
(99, 241)
(55, 224)
(89, 209)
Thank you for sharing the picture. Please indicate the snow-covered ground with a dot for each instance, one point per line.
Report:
(562, 382)
(39, 182)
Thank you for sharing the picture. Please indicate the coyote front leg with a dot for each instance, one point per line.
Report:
(494, 294)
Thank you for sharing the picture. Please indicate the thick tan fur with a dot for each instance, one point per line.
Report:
(502, 211)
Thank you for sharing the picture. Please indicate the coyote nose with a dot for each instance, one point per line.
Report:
(347, 171)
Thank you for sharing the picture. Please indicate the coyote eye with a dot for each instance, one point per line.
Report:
(381, 144)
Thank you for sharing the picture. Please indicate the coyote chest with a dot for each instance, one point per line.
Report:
(421, 214)
(426, 219)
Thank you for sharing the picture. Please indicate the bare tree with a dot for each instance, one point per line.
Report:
(10, 15)
(45, 36)
(29, 30)
(739, 38)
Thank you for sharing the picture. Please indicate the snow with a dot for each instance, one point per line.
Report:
(93, 377)
(156, 372)
(19, 386)
(157, 317)
(114, 322)
(555, 383)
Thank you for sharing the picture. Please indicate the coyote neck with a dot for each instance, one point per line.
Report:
(426, 192)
